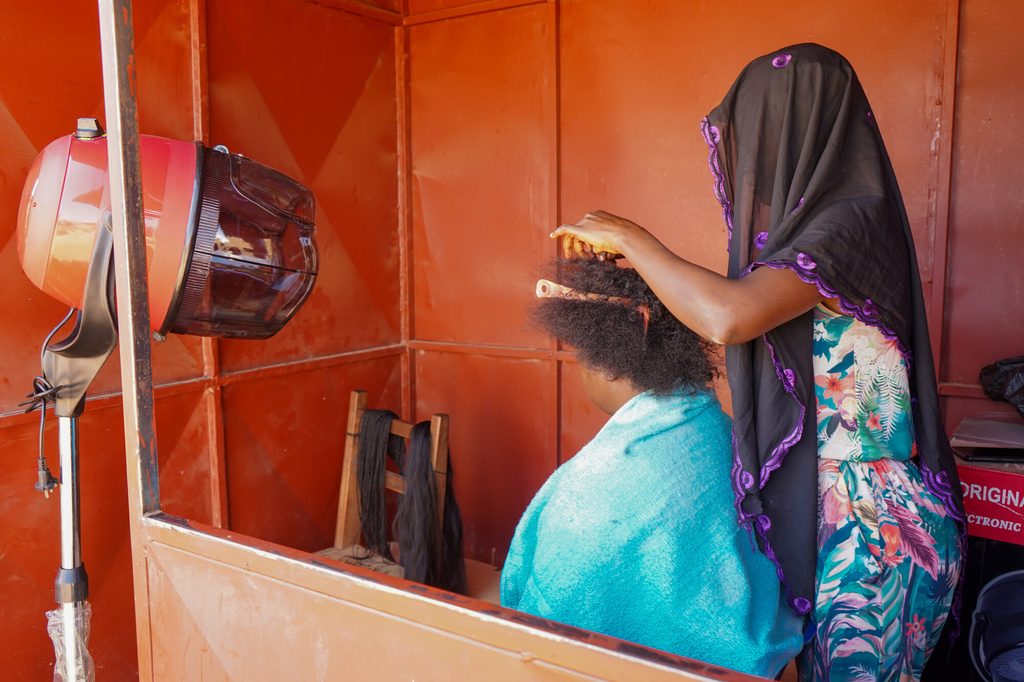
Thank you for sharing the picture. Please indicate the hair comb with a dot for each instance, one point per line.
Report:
(548, 289)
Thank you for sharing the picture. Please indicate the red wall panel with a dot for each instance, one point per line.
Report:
(480, 97)
(423, 6)
(985, 313)
(183, 432)
(322, 107)
(501, 436)
(31, 548)
(285, 437)
(30, 553)
(310, 90)
(392, 5)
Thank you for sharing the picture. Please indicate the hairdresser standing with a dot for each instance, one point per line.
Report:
(841, 465)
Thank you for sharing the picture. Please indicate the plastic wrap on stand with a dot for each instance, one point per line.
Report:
(68, 626)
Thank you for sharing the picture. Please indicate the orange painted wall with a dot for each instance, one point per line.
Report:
(320, 107)
(984, 315)
(441, 153)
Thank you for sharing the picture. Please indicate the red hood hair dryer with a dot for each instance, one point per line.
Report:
(230, 252)
(230, 247)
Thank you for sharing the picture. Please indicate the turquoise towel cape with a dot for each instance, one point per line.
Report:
(636, 537)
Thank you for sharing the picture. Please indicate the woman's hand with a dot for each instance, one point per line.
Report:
(725, 311)
(599, 235)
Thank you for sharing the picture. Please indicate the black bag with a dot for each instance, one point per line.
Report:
(1004, 380)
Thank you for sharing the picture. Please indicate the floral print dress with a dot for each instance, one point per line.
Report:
(888, 556)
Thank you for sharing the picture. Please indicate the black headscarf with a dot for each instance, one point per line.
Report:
(805, 184)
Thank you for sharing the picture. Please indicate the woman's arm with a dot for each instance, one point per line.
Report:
(723, 310)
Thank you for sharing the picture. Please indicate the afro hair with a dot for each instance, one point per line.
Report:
(610, 336)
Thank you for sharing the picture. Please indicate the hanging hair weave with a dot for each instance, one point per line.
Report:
(453, 569)
(375, 443)
(416, 522)
(428, 553)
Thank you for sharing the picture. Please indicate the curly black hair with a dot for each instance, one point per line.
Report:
(610, 336)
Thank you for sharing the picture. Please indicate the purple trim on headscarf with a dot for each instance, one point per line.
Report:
(939, 485)
(742, 481)
(801, 605)
(760, 240)
(805, 268)
(782, 60)
(712, 136)
(782, 448)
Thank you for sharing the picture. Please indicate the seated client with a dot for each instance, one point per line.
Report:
(636, 536)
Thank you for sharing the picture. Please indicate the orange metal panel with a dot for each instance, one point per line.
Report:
(183, 431)
(284, 440)
(481, 173)
(31, 549)
(500, 438)
(425, 11)
(31, 535)
(320, 106)
(162, 49)
(216, 592)
(311, 89)
(423, 6)
(637, 76)
(955, 408)
(985, 316)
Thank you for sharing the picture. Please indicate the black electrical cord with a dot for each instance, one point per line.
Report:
(44, 392)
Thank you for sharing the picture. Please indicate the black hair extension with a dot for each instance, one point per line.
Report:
(419, 538)
(427, 553)
(453, 568)
(375, 442)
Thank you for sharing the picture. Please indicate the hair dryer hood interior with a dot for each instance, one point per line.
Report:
(229, 242)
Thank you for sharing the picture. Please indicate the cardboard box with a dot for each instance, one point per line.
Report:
(994, 500)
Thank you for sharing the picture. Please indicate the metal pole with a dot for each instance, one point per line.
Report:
(70, 545)
(129, 244)
(119, 99)
(70, 526)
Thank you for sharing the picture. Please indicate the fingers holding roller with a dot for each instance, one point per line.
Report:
(566, 240)
(582, 248)
(598, 235)
(572, 245)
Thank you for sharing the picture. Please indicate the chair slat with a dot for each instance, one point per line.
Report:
(400, 428)
(394, 482)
